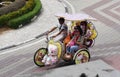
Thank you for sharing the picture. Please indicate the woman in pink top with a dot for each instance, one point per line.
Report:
(75, 42)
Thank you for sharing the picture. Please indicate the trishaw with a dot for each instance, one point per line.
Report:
(57, 48)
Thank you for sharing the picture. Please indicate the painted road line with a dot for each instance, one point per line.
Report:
(15, 49)
(72, 8)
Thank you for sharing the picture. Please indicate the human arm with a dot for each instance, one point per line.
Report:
(58, 33)
(80, 43)
(51, 30)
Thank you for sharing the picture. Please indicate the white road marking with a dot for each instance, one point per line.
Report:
(72, 8)
(13, 50)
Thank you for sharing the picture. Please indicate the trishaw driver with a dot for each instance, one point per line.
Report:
(63, 29)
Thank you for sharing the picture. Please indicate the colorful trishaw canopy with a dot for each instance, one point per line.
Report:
(76, 17)
(64, 15)
(80, 17)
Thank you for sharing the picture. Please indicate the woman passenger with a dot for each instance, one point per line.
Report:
(76, 41)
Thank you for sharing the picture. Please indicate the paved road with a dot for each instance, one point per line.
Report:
(19, 60)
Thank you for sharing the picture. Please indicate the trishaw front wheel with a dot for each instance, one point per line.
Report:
(38, 56)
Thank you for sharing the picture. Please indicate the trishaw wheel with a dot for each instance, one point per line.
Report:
(81, 56)
(38, 56)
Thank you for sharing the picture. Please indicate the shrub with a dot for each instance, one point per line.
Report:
(3, 20)
(28, 7)
(14, 23)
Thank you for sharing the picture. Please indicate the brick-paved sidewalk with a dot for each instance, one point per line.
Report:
(113, 60)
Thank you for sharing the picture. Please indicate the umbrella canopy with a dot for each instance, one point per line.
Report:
(79, 17)
(64, 15)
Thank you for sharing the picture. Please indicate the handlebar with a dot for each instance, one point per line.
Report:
(47, 36)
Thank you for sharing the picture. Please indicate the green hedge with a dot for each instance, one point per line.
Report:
(27, 8)
(14, 23)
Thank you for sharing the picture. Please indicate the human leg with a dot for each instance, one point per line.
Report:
(68, 49)
(74, 48)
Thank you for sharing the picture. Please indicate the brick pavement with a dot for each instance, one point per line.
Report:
(107, 45)
(107, 12)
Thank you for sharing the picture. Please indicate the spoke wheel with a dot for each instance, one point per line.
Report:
(38, 56)
(82, 56)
